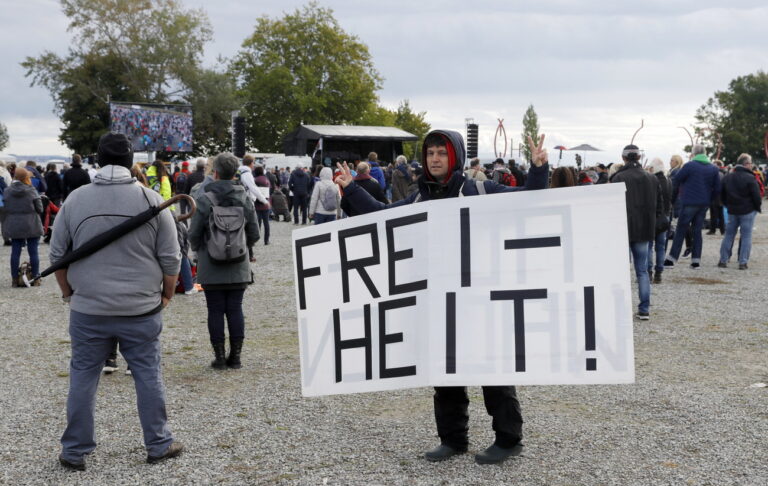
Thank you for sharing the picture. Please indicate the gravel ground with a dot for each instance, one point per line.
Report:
(690, 418)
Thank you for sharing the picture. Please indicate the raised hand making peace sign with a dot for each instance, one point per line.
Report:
(345, 178)
(539, 155)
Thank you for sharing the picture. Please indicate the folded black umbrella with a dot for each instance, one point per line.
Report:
(100, 241)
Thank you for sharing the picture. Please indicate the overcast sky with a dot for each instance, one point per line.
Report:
(592, 68)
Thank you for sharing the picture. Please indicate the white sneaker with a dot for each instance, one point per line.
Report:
(128, 372)
(191, 291)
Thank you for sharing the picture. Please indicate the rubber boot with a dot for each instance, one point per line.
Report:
(235, 346)
(220, 352)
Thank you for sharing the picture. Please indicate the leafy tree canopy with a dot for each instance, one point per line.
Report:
(303, 68)
(530, 129)
(3, 136)
(127, 50)
(738, 115)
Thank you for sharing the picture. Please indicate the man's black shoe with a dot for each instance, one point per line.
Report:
(722, 265)
(669, 263)
(496, 454)
(695, 265)
(742, 266)
(441, 453)
(74, 466)
(110, 366)
(711, 232)
(173, 450)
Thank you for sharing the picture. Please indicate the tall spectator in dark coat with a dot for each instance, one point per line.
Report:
(76, 176)
(660, 240)
(55, 185)
(741, 195)
(643, 205)
(369, 184)
(698, 183)
(716, 216)
(299, 183)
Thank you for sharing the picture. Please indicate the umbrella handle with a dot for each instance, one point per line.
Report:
(177, 198)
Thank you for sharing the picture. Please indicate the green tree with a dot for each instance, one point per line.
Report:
(124, 50)
(3, 136)
(414, 123)
(303, 68)
(738, 116)
(530, 129)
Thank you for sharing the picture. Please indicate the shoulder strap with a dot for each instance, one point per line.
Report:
(480, 187)
(212, 197)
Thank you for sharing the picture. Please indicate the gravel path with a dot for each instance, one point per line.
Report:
(691, 418)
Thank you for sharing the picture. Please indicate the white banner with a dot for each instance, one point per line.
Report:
(526, 288)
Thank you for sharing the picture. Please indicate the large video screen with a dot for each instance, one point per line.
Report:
(159, 128)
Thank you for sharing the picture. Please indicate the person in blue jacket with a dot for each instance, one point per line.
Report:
(696, 184)
(443, 155)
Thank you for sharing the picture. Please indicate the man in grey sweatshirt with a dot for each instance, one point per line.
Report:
(117, 293)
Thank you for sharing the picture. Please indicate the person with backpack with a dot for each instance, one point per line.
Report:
(502, 175)
(443, 153)
(222, 230)
(324, 204)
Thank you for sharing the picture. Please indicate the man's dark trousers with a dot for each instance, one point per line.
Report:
(452, 417)
(300, 202)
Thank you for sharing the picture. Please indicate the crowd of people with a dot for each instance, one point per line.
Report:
(236, 200)
(153, 129)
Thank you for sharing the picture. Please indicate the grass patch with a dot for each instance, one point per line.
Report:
(63, 374)
(187, 348)
(65, 341)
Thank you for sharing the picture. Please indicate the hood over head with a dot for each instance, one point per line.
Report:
(114, 174)
(456, 153)
(326, 174)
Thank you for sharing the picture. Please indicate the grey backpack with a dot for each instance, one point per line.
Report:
(226, 241)
(328, 198)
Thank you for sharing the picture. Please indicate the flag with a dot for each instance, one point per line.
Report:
(318, 148)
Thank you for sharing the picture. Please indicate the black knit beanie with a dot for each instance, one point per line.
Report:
(115, 149)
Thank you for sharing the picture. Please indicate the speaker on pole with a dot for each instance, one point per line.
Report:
(238, 134)
(472, 130)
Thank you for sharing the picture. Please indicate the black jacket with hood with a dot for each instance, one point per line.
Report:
(644, 201)
(429, 188)
(740, 192)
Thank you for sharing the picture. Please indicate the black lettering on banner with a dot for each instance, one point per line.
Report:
(395, 256)
(519, 297)
(589, 325)
(466, 262)
(301, 272)
(363, 342)
(360, 263)
(525, 243)
(450, 332)
(397, 337)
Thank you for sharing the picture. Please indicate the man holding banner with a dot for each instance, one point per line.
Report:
(443, 154)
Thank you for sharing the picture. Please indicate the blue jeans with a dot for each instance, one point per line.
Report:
(92, 341)
(186, 274)
(736, 221)
(324, 218)
(223, 303)
(34, 259)
(660, 242)
(689, 214)
(639, 251)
